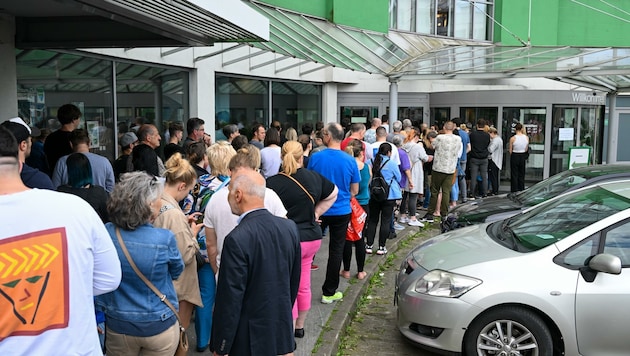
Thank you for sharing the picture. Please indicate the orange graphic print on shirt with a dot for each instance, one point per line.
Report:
(33, 283)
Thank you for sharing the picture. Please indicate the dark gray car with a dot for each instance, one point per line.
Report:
(503, 206)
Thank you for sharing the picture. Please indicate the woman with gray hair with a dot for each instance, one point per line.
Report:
(137, 320)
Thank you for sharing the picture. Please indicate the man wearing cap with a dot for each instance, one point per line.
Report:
(123, 163)
(63, 258)
(32, 177)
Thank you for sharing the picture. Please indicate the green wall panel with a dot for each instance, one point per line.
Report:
(563, 23)
(312, 7)
(368, 14)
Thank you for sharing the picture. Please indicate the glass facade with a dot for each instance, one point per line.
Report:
(448, 18)
(470, 115)
(245, 101)
(574, 126)
(48, 79)
(440, 115)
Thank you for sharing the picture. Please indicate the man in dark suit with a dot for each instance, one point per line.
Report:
(259, 276)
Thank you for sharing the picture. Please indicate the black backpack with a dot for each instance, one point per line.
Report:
(379, 189)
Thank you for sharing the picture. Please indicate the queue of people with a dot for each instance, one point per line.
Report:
(216, 224)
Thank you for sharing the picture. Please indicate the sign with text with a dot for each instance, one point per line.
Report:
(579, 156)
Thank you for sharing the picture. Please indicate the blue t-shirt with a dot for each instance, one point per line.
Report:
(465, 141)
(340, 168)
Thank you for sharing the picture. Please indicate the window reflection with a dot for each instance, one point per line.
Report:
(245, 101)
(48, 79)
(450, 18)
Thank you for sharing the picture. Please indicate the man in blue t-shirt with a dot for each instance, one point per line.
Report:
(461, 179)
(341, 169)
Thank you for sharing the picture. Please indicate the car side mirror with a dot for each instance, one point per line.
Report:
(602, 262)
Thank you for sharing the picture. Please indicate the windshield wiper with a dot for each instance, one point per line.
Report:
(507, 230)
(512, 197)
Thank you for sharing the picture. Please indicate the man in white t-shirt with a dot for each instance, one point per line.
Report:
(381, 137)
(51, 267)
(219, 220)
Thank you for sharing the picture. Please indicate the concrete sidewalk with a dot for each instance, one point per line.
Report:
(326, 322)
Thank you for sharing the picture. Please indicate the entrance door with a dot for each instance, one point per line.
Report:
(573, 126)
(533, 119)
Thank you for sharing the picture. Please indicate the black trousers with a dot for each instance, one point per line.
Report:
(517, 171)
(360, 248)
(338, 225)
(493, 175)
(385, 212)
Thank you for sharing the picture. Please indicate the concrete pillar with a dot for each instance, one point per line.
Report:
(329, 103)
(8, 74)
(393, 102)
(613, 128)
(202, 98)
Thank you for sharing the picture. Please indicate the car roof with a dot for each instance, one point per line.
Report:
(602, 169)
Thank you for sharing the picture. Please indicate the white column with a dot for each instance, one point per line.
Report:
(202, 98)
(8, 74)
(613, 128)
(393, 102)
(329, 103)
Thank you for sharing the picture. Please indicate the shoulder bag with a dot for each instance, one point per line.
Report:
(182, 347)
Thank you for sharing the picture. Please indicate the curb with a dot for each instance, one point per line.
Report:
(342, 314)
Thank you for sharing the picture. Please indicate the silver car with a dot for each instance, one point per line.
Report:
(547, 281)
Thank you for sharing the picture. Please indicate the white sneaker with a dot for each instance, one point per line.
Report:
(415, 222)
(403, 220)
(398, 227)
(368, 249)
(381, 250)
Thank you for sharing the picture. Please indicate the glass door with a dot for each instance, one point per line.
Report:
(564, 136)
(533, 119)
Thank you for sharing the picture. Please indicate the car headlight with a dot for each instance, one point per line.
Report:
(445, 284)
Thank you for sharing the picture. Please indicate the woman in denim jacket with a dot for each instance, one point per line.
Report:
(137, 320)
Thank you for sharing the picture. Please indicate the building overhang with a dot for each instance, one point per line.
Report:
(68, 24)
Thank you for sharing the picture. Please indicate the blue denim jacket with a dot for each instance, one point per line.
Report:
(155, 252)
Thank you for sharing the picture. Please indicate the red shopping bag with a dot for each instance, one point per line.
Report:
(357, 221)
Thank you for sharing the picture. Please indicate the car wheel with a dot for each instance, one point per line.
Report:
(508, 331)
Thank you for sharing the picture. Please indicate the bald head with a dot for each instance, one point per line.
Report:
(247, 191)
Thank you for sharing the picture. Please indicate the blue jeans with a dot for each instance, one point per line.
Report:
(203, 315)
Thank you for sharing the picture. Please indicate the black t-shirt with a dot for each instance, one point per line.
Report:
(170, 150)
(299, 207)
(95, 195)
(479, 142)
(121, 165)
(57, 145)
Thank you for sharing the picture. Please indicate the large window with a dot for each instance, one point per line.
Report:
(245, 101)
(465, 19)
(151, 94)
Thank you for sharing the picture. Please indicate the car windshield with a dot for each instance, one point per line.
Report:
(549, 188)
(551, 222)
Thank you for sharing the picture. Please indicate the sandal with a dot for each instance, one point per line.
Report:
(361, 275)
(345, 274)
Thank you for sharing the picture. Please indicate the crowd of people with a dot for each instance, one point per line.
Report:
(227, 232)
